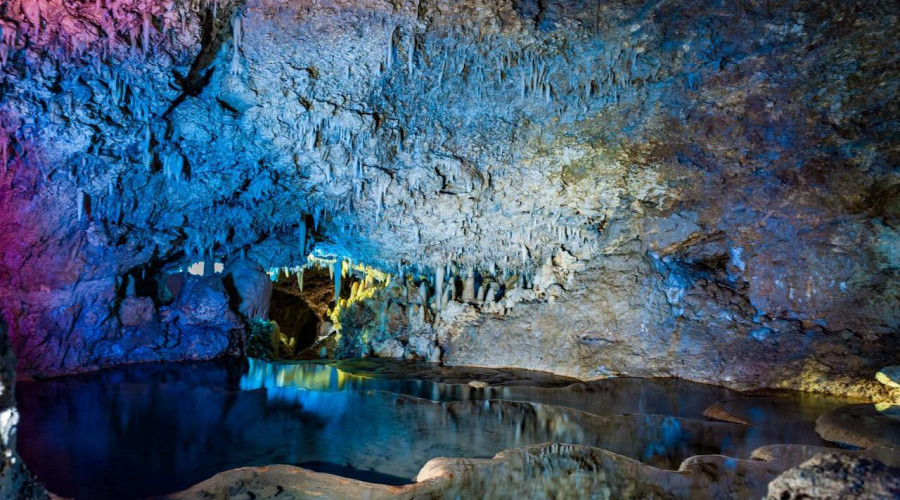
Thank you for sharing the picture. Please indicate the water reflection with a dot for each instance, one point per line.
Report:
(604, 397)
(153, 429)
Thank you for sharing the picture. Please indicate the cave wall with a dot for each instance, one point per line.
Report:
(716, 181)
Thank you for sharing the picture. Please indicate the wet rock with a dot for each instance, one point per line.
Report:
(15, 480)
(424, 347)
(833, 476)
(542, 471)
(860, 425)
(388, 349)
(792, 455)
(478, 384)
(137, 311)
(251, 288)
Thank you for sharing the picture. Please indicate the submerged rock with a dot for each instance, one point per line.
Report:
(717, 412)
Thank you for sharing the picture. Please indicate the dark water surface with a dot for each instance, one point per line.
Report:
(144, 430)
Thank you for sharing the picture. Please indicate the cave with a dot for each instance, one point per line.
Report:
(302, 313)
(451, 249)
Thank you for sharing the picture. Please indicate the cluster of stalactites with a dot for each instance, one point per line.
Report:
(431, 290)
(136, 22)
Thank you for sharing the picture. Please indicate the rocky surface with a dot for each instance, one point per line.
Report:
(862, 425)
(831, 476)
(15, 480)
(678, 188)
(543, 471)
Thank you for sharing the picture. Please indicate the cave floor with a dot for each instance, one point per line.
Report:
(153, 429)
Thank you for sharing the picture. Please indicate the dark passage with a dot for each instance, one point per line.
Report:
(296, 319)
(300, 312)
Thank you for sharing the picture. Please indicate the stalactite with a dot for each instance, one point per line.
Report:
(173, 166)
(145, 32)
(80, 200)
(439, 283)
(301, 234)
(237, 26)
(411, 53)
(389, 56)
(147, 151)
(337, 271)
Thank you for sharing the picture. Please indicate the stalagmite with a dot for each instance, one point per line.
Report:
(492, 292)
(423, 293)
(468, 294)
(439, 283)
(300, 278)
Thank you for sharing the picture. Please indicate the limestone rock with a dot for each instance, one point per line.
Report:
(860, 425)
(637, 146)
(424, 347)
(388, 349)
(834, 476)
(251, 287)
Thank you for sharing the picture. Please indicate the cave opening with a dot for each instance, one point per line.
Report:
(301, 314)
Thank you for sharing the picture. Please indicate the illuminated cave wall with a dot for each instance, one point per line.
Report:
(685, 188)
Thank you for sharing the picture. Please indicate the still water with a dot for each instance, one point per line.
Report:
(144, 430)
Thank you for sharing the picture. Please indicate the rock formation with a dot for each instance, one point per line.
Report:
(677, 188)
(832, 476)
(564, 471)
(15, 480)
